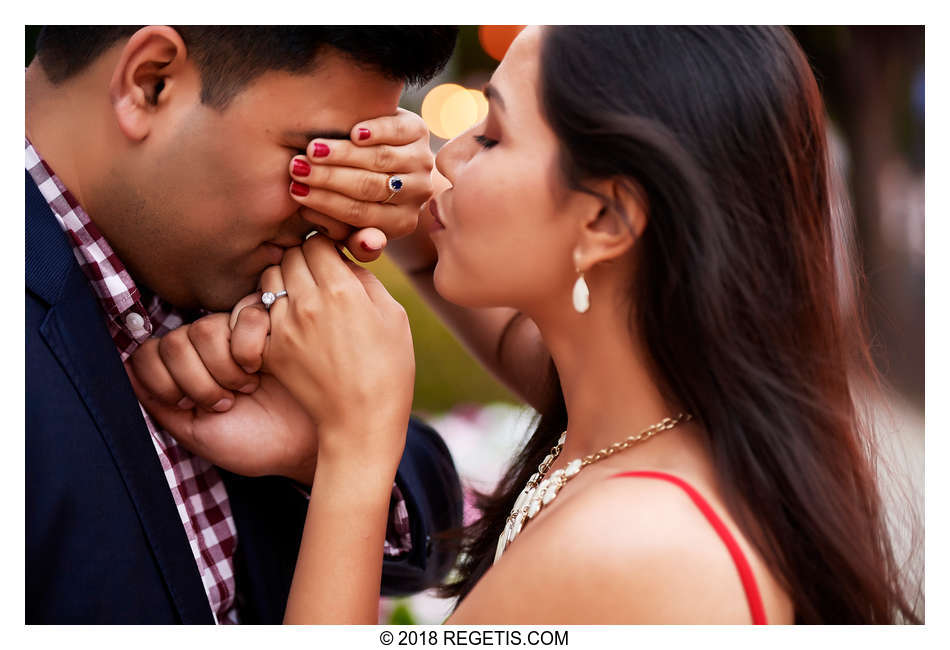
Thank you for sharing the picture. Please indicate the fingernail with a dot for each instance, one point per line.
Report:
(364, 134)
(372, 245)
(223, 404)
(320, 150)
(301, 167)
(299, 189)
(249, 371)
(186, 403)
(250, 388)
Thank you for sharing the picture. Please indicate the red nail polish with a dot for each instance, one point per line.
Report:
(364, 134)
(320, 150)
(299, 189)
(366, 247)
(301, 167)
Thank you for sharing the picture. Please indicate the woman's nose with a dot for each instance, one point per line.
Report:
(455, 153)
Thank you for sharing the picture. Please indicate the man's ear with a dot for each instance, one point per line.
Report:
(614, 223)
(143, 77)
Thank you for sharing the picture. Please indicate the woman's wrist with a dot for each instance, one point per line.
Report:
(375, 464)
(412, 257)
(358, 484)
(416, 252)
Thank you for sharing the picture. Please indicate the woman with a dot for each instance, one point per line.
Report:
(639, 241)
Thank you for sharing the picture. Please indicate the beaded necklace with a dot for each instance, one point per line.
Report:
(540, 491)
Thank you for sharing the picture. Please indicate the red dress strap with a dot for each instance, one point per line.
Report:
(742, 564)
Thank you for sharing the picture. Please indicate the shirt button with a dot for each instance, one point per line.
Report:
(135, 322)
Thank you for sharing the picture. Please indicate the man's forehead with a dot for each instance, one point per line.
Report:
(322, 103)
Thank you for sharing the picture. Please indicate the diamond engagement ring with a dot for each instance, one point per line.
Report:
(268, 298)
(395, 186)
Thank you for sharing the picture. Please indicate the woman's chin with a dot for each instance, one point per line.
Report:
(449, 287)
(442, 287)
(463, 293)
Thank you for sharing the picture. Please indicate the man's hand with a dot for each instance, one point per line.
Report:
(344, 185)
(197, 364)
(262, 433)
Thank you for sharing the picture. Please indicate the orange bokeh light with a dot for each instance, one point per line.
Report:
(496, 39)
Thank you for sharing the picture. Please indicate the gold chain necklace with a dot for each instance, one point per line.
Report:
(540, 491)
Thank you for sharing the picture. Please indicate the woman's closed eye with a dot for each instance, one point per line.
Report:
(485, 142)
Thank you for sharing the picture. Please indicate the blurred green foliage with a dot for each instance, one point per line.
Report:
(446, 374)
(401, 615)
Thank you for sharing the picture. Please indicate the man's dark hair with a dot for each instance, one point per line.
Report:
(229, 58)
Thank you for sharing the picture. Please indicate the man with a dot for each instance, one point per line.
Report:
(157, 188)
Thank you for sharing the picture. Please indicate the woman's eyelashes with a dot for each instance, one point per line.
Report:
(485, 142)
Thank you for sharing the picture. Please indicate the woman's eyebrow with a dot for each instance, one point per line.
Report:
(491, 93)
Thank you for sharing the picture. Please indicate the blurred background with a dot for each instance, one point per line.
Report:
(872, 78)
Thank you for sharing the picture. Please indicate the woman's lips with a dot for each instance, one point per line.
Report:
(434, 211)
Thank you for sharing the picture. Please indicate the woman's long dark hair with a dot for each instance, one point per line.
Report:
(737, 296)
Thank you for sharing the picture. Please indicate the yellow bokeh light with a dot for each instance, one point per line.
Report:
(432, 107)
(450, 109)
(482, 104)
(459, 112)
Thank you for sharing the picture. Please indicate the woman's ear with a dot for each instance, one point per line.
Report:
(144, 77)
(613, 225)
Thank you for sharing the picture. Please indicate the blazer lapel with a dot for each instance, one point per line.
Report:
(76, 334)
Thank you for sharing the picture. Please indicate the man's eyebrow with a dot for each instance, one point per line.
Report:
(313, 135)
(491, 93)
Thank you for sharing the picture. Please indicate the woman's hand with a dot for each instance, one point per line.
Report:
(342, 346)
(344, 189)
(416, 253)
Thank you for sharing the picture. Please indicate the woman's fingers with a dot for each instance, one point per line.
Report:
(396, 220)
(360, 183)
(367, 244)
(402, 128)
(383, 157)
(378, 179)
(300, 284)
(327, 266)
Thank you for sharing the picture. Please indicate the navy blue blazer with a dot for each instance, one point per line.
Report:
(104, 543)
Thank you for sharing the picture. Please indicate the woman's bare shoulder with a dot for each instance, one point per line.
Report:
(621, 551)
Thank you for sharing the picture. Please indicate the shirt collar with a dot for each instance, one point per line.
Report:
(131, 322)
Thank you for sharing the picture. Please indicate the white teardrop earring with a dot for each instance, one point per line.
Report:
(581, 294)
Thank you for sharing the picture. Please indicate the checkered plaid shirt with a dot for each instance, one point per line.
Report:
(199, 493)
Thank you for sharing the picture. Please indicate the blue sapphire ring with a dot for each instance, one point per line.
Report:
(395, 185)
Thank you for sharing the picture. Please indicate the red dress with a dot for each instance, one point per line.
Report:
(742, 564)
